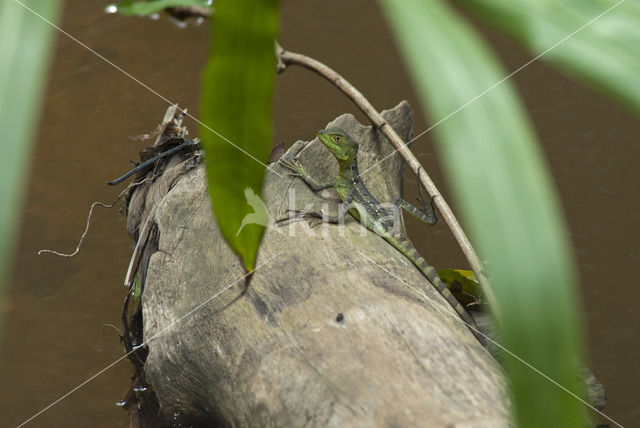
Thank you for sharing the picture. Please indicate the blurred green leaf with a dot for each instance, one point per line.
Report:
(25, 46)
(237, 94)
(597, 40)
(130, 7)
(505, 196)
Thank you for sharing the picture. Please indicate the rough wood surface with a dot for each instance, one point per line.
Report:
(322, 336)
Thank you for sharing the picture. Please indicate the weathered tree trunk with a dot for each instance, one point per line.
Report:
(323, 336)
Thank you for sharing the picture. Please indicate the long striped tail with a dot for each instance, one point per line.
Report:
(406, 247)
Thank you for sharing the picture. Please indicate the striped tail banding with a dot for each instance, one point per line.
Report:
(405, 247)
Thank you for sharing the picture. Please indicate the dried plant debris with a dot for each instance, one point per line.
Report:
(169, 139)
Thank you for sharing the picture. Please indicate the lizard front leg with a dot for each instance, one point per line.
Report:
(299, 171)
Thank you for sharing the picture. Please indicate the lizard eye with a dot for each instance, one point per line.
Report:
(337, 138)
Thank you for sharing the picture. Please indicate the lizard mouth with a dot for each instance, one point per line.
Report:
(341, 149)
(325, 139)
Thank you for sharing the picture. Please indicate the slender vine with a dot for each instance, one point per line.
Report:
(286, 58)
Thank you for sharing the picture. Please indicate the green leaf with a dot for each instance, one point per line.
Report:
(504, 193)
(237, 87)
(464, 286)
(136, 288)
(25, 46)
(130, 7)
(596, 40)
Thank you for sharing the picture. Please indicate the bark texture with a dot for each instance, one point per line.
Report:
(336, 328)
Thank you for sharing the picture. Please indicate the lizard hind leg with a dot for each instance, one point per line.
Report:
(430, 209)
(427, 216)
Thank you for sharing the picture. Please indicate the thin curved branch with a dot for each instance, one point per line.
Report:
(286, 58)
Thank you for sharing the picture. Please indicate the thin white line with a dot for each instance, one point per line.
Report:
(213, 297)
(489, 89)
(147, 341)
(143, 85)
(457, 318)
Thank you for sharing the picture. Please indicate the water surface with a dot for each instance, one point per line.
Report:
(61, 314)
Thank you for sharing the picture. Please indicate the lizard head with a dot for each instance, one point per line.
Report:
(338, 143)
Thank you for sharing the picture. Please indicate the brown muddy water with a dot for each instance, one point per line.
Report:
(62, 315)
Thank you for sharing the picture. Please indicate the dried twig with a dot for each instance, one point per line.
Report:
(194, 145)
(285, 59)
(88, 223)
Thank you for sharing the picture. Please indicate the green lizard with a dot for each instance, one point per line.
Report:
(361, 204)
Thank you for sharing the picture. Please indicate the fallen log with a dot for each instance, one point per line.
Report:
(336, 327)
